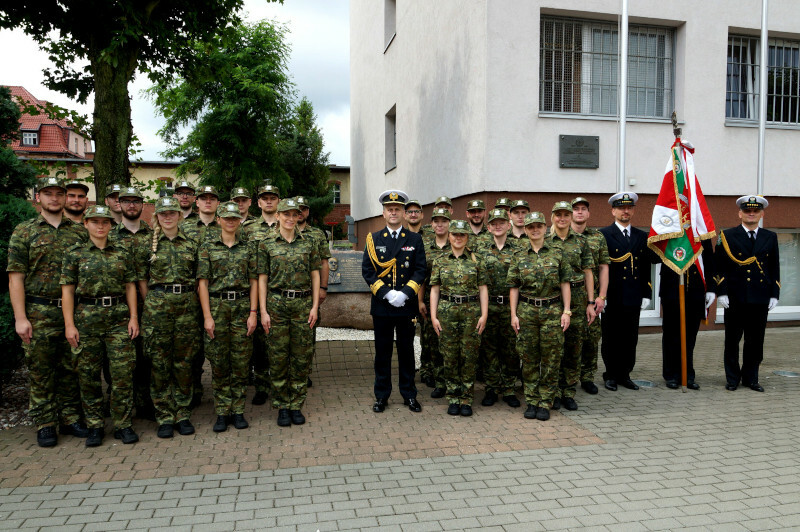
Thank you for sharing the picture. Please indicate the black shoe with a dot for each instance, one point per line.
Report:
(47, 437)
(185, 427)
(611, 384)
(76, 429)
(297, 417)
(543, 414)
(672, 385)
(283, 418)
(95, 437)
(489, 399)
(165, 430)
(429, 381)
(731, 387)
(239, 422)
(413, 404)
(589, 387)
(569, 403)
(437, 393)
(557, 403)
(146, 412)
(454, 409)
(530, 413)
(756, 387)
(380, 405)
(309, 383)
(126, 435)
(466, 410)
(196, 400)
(512, 401)
(221, 425)
(259, 398)
(629, 384)
(693, 386)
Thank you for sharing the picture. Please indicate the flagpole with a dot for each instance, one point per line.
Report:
(681, 292)
(623, 94)
(762, 97)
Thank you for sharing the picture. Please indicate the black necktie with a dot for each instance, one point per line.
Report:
(626, 235)
(394, 235)
(752, 236)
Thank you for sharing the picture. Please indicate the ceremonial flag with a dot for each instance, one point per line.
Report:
(681, 219)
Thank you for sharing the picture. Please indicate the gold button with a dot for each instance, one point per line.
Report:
(623, 278)
(748, 278)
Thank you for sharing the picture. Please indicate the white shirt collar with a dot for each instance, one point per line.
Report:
(622, 227)
(746, 230)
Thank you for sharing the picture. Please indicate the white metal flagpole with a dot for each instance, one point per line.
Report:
(762, 96)
(623, 94)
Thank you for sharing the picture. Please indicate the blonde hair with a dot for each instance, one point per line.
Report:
(156, 231)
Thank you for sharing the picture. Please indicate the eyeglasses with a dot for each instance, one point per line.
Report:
(413, 211)
(183, 194)
(131, 202)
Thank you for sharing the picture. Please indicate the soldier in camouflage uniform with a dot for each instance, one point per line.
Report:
(504, 204)
(442, 202)
(35, 251)
(599, 249)
(288, 286)
(436, 244)
(498, 339)
(243, 200)
(100, 317)
(184, 194)
(516, 215)
(413, 216)
(77, 200)
(579, 257)
(459, 310)
(112, 202)
(476, 215)
(228, 292)
(170, 318)
(540, 300)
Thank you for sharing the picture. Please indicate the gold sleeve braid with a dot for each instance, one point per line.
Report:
(414, 286)
(388, 266)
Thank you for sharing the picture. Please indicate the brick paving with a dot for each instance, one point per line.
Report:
(646, 460)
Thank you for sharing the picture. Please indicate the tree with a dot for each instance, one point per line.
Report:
(117, 39)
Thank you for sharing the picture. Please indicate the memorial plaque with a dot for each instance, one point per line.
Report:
(345, 274)
(578, 151)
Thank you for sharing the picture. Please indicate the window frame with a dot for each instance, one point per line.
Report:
(33, 134)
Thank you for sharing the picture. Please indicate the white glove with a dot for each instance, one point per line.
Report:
(723, 301)
(399, 299)
(645, 303)
(773, 302)
(710, 297)
(390, 295)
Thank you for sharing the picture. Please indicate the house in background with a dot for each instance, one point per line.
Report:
(340, 180)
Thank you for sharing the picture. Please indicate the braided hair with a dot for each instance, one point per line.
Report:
(156, 231)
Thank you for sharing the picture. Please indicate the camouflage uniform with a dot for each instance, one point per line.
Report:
(540, 340)
(229, 271)
(318, 235)
(288, 266)
(430, 356)
(578, 256)
(459, 339)
(102, 273)
(599, 249)
(169, 324)
(36, 249)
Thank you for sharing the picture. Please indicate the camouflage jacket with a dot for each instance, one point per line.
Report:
(174, 261)
(98, 272)
(539, 274)
(577, 253)
(195, 229)
(322, 241)
(497, 262)
(288, 265)
(227, 268)
(258, 229)
(599, 248)
(432, 251)
(135, 242)
(475, 238)
(37, 249)
(458, 275)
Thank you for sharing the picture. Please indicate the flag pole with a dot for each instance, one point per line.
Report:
(681, 292)
(623, 95)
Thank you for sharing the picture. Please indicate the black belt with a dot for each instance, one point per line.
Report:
(56, 301)
(577, 283)
(173, 288)
(457, 299)
(229, 295)
(536, 302)
(104, 301)
(291, 294)
(500, 300)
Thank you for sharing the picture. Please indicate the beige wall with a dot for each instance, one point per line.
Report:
(343, 177)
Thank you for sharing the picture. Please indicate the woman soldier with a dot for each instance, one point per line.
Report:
(98, 291)
(171, 314)
(460, 297)
(228, 291)
(288, 293)
(540, 299)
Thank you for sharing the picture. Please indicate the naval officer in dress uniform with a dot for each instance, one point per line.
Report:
(394, 268)
(748, 287)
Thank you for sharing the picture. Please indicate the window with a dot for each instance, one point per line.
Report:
(76, 146)
(30, 139)
(337, 193)
(389, 22)
(579, 68)
(783, 80)
(391, 139)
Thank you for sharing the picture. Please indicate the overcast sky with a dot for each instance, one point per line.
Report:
(319, 37)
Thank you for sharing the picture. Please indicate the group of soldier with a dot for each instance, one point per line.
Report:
(501, 298)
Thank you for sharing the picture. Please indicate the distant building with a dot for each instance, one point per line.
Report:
(340, 180)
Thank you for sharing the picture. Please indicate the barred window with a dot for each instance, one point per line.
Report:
(579, 62)
(783, 80)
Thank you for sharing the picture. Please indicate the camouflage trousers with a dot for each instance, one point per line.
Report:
(260, 359)
(459, 342)
(171, 340)
(104, 333)
(574, 336)
(589, 350)
(430, 357)
(540, 343)
(54, 390)
(197, 362)
(502, 360)
(291, 350)
(229, 353)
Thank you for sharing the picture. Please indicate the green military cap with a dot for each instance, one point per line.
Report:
(269, 189)
(302, 201)
(534, 218)
(74, 183)
(130, 192)
(49, 182)
(184, 184)
(207, 189)
(229, 209)
(752, 202)
(239, 192)
(520, 204)
(443, 199)
(97, 211)
(413, 202)
(288, 204)
(440, 213)
(460, 227)
(167, 204)
(476, 205)
(580, 199)
(502, 203)
(116, 188)
(562, 206)
(496, 214)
